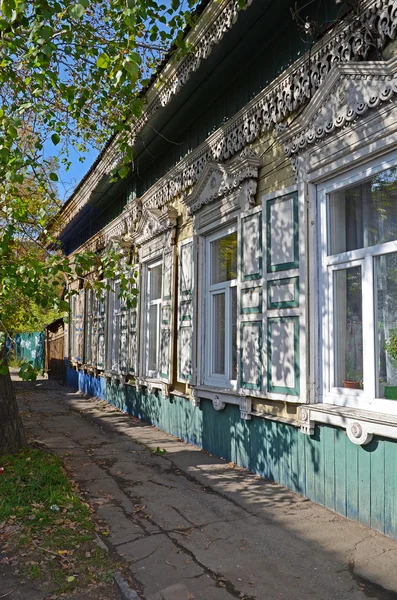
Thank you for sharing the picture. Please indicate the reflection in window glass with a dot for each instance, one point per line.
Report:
(363, 215)
(348, 327)
(386, 283)
(155, 276)
(219, 334)
(224, 258)
(152, 341)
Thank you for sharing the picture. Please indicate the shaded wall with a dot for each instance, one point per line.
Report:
(358, 482)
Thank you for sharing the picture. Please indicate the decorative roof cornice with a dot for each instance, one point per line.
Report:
(215, 21)
(348, 42)
(292, 90)
(349, 91)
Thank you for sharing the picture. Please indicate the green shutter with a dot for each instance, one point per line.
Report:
(250, 291)
(185, 310)
(282, 233)
(166, 317)
(282, 293)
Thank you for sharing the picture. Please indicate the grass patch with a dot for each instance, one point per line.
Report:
(50, 528)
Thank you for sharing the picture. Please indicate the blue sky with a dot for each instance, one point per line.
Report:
(69, 179)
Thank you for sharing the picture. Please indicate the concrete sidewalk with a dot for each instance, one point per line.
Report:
(194, 527)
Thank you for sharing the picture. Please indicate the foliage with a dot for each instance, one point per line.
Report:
(52, 523)
(71, 73)
(27, 316)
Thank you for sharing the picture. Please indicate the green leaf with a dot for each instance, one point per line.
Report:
(71, 578)
(7, 6)
(77, 11)
(132, 69)
(55, 139)
(123, 171)
(4, 154)
(103, 61)
(54, 177)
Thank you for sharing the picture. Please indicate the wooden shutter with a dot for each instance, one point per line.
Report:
(134, 334)
(89, 295)
(98, 334)
(78, 326)
(185, 310)
(250, 305)
(123, 340)
(282, 292)
(72, 334)
(166, 317)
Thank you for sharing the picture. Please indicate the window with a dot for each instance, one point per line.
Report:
(153, 318)
(114, 327)
(89, 298)
(118, 331)
(76, 332)
(359, 258)
(98, 332)
(221, 309)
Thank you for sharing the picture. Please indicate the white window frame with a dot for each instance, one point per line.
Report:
(367, 398)
(217, 379)
(152, 374)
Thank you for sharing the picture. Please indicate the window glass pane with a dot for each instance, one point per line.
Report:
(155, 276)
(348, 331)
(152, 338)
(233, 329)
(218, 328)
(386, 281)
(364, 215)
(224, 258)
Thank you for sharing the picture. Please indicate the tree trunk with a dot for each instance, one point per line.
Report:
(12, 434)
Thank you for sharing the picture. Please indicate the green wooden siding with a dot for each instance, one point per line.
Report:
(358, 482)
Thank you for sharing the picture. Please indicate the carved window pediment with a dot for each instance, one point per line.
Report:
(347, 93)
(154, 222)
(218, 180)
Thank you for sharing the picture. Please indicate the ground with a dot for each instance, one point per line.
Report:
(193, 527)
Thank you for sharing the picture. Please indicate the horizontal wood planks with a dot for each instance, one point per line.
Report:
(359, 482)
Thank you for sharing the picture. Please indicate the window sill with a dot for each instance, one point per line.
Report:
(151, 384)
(360, 425)
(222, 396)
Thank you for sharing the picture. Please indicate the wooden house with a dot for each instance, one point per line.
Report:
(261, 216)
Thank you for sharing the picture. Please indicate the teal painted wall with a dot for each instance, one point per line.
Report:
(358, 482)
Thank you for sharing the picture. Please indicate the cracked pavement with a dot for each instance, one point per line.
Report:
(193, 527)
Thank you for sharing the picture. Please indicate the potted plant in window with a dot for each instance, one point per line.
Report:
(353, 377)
(353, 382)
(391, 349)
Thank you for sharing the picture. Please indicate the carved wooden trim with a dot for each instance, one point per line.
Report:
(349, 91)
(219, 180)
(291, 90)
